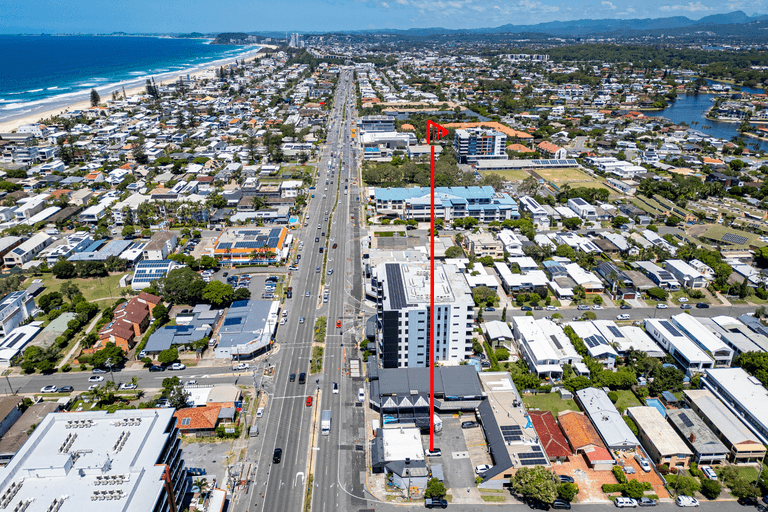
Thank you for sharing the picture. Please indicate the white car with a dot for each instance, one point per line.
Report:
(95, 378)
(682, 299)
(127, 385)
(361, 395)
(49, 389)
(190, 383)
(259, 412)
(661, 306)
(92, 387)
(282, 321)
(686, 501)
(552, 308)
(335, 388)
(708, 472)
(625, 502)
(597, 308)
(178, 366)
(623, 316)
(241, 366)
(482, 468)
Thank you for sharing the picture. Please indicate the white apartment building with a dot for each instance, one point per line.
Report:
(545, 347)
(28, 250)
(403, 292)
(687, 354)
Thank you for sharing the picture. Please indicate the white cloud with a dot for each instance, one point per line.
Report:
(385, 5)
(690, 7)
(608, 4)
(402, 2)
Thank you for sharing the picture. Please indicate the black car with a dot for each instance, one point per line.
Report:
(277, 456)
(702, 305)
(470, 424)
(748, 501)
(435, 502)
(562, 504)
(625, 306)
(302, 378)
(66, 389)
(156, 369)
(538, 505)
(288, 294)
(292, 377)
(565, 479)
(526, 308)
(225, 274)
(317, 239)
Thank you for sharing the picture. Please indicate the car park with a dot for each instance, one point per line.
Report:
(469, 424)
(95, 378)
(49, 389)
(625, 502)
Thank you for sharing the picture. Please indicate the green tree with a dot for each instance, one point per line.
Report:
(208, 262)
(435, 489)
(572, 223)
(160, 312)
(483, 295)
(658, 294)
(63, 269)
(241, 294)
(742, 488)
(182, 286)
(711, 489)
(110, 351)
(565, 251)
(619, 221)
(686, 485)
(128, 230)
(50, 301)
(70, 290)
(454, 252)
(218, 293)
(634, 489)
(168, 356)
(95, 98)
(534, 483)
(567, 491)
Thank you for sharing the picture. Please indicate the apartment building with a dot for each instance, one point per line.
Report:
(475, 144)
(545, 347)
(686, 353)
(27, 251)
(160, 245)
(403, 296)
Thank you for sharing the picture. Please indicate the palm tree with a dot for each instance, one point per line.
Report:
(202, 485)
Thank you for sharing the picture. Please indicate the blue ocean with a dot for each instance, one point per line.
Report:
(44, 72)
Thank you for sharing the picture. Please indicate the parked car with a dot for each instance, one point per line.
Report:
(686, 501)
(623, 316)
(98, 370)
(49, 389)
(552, 308)
(361, 395)
(625, 306)
(561, 504)
(565, 479)
(526, 308)
(597, 307)
(66, 389)
(538, 505)
(582, 307)
(127, 385)
(686, 306)
(435, 503)
(661, 306)
(178, 366)
(437, 452)
(708, 472)
(625, 502)
(155, 368)
(682, 299)
(482, 468)
(646, 502)
(490, 309)
(469, 424)
(702, 305)
(95, 378)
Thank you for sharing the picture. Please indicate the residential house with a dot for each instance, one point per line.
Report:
(659, 439)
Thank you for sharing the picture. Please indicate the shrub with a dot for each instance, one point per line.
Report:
(663, 469)
(83, 367)
(634, 489)
(687, 485)
(567, 491)
(614, 396)
(609, 488)
(147, 361)
(618, 472)
(502, 354)
(66, 368)
(694, 470)
(711, 489)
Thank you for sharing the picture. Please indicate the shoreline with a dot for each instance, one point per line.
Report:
(131, 86)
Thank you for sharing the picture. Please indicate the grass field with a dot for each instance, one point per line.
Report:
(92, 289)
(509, 174)
(562, 175)
(627, 399)
(591, 184)
(549, 402)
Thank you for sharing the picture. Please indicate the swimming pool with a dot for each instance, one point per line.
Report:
(293, 220)
(655, 402)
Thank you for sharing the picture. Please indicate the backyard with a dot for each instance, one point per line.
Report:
(549, 402)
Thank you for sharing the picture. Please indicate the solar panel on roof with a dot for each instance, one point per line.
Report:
(536, 448)
(734, 239)
(534, 462)
(615, 331)
(685, 419)
(668, 326)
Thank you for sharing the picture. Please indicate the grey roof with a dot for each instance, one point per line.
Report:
(606, 419)
(502, 460)
(198, 328)
(458, 382)
(244, 322)
(415, 467)
(687, 422)
(113, 248)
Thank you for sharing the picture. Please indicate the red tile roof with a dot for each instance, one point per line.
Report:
(579, 430)
(552, 439)
(200, 418)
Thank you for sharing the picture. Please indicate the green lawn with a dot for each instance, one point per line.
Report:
(684, 293)
(509, 174)
(549, 402)
(627, 399)
(493, 498)
(92, 289)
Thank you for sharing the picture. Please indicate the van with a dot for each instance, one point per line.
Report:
(254, 432)
(623, 316)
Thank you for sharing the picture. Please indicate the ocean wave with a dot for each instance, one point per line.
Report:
(141, 73)
(86, 85)
(52, 88)
(22, 92)
(34, 90)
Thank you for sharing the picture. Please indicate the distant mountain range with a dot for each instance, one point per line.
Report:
(575, 28)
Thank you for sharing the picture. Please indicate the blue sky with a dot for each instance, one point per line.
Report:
(89, 16)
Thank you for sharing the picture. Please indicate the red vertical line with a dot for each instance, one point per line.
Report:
(432, 301)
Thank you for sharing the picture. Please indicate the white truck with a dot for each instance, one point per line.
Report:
(325, 423)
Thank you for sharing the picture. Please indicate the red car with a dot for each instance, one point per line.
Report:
(309, 401)
(338, 323)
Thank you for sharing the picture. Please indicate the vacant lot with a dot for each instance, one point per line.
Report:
(549, 402)
(92, 289)
(591, 184)
(509, 174)
(562, 175)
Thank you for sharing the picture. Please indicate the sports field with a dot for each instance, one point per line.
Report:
(562, 175)
(509, 174)
(590, 184)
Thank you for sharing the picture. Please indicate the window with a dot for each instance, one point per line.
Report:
(186, 421)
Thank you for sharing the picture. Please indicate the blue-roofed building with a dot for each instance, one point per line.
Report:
(151, 270)
(92, 253)
(482, 203)
(192, 327)
(248, 329)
